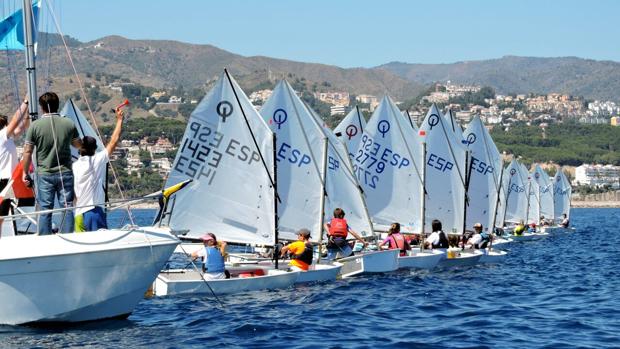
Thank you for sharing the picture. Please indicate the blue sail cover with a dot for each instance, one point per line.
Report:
(12, 28)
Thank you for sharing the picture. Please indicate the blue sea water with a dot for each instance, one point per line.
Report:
(560, 292)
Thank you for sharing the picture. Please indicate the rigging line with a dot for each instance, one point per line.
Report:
(247, 123)
(90, 112)
(303, 131)
(359, 117)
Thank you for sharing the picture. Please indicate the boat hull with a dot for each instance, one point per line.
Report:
(466, 258)
(79, 277)
(370, 262)
(320, 273)
(529, 236)
(427, 259)
(493, 256)
(176, 282)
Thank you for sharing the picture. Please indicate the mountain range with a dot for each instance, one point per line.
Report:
(162, 63)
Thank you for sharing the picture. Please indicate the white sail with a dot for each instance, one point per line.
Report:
(484, 174)
(453, 125)
(227, 150)
(341, 186)
(561, 195)
(350, 130)
(445, 173)
(300, 155)
(71, 111)
(500, 214)
(516, 194)
(387, 167)
(545, 189)
(533, 202)
(410, 120)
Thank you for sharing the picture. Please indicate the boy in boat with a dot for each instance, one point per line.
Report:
(8, 151)
(519, 229)
(52, 136)
(438, 238)
(565, 222)
(300, 250)
(89, 172)
(212, 257)
(338, 229)
(480, 239)
(396, 240)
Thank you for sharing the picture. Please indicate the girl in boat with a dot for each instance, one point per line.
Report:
(396, 240)
(212, 257)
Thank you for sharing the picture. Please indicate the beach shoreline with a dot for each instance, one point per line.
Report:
(595, 204)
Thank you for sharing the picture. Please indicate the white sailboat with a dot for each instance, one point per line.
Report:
(350, 130)
(545, 190)
(76, 277)
(484, 183)
(561, 202)
(445, 183)
(229, 152)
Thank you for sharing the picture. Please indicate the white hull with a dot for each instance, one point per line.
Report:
(183, 281)
(466, 258)
(370, 262)
(557, 230)
(427, 259)
(320, 273)
(493, 256)
(79, 277)
(501, 241)
(529, 236)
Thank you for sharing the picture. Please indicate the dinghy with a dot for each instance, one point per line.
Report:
(456, 257)
(561, 203)
(421, 259)
(369, 263)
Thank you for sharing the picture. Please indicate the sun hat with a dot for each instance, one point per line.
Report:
(206, 237)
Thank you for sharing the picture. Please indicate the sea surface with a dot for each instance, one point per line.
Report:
(560, 292)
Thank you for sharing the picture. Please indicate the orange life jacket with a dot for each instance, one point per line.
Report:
(399, 240)
(338, 227)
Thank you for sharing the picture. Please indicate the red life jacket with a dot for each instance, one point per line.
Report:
(399, 241)
(338, 227)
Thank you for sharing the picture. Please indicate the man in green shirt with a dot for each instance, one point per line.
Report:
(51, 136)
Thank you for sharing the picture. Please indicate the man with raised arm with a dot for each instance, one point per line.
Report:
(51, 136)
(90, 176)
(8, 151)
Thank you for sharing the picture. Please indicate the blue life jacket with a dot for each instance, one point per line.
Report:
(214, 261)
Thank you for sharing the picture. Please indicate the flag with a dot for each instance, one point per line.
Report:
(12, 28)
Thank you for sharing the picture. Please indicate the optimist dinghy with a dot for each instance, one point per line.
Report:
(421, 259)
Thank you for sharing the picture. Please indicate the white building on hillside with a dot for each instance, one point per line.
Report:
(597, 175)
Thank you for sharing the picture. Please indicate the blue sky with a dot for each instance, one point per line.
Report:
(362, 33)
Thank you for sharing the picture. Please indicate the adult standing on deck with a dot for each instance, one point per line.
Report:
(51, 136)
(89, 171)
(8, 151)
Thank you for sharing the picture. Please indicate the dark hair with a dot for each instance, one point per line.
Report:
(304, 232)
(436, 224)
(338, 213)
(394, 228)
(4, 120)
(49, 102)
(213, 236)
(89, 146)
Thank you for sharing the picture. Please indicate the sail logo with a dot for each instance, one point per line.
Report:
(351, 131)
(433, 120)
(471, 139)
(383, 127)
(439, 163)
(224, 109)
(279, 117)
(481, 167)
(513, 172)
(294, 156)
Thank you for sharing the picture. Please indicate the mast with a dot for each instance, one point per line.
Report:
(423, 196)
(323, 194)
(275, 202)
(31, 75)
(499, 189)
(466, 200)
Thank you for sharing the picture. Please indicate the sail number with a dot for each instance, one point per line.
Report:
(439, 163)
(371, 160)
(292, 155)
(481, 166)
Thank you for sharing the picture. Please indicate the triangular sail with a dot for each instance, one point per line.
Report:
(533, 202)
(12, 28)
(300, 155)
(445, 173)
(516, 194)
(453, 125)
(561, 195)
(486, 165)
(387, 167)
(227, 150)
(350, 130)
(409, 120)
(71, 111)
(545, 187)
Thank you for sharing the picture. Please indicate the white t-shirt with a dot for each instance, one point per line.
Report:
(475, 239)
(89, 178)
(8, 155)
(433, 239)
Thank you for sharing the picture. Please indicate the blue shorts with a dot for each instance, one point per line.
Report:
(95, 219)
(339, 252)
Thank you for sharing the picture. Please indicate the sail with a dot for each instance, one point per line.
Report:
(227, 150)
(410, 121)
(516, 194)
(300, 156)
(500, 214)
(350, 130)
(445, 173)
(71, 111)
(561, 195)
(453, 125)
(341, 186)
(533, 201)
(484, 174)
(387, 167)
(545, 188)
(12, 28)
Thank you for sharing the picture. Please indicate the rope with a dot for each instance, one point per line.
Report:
(90, 112)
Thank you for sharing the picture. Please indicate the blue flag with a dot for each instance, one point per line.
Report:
(12, 29)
